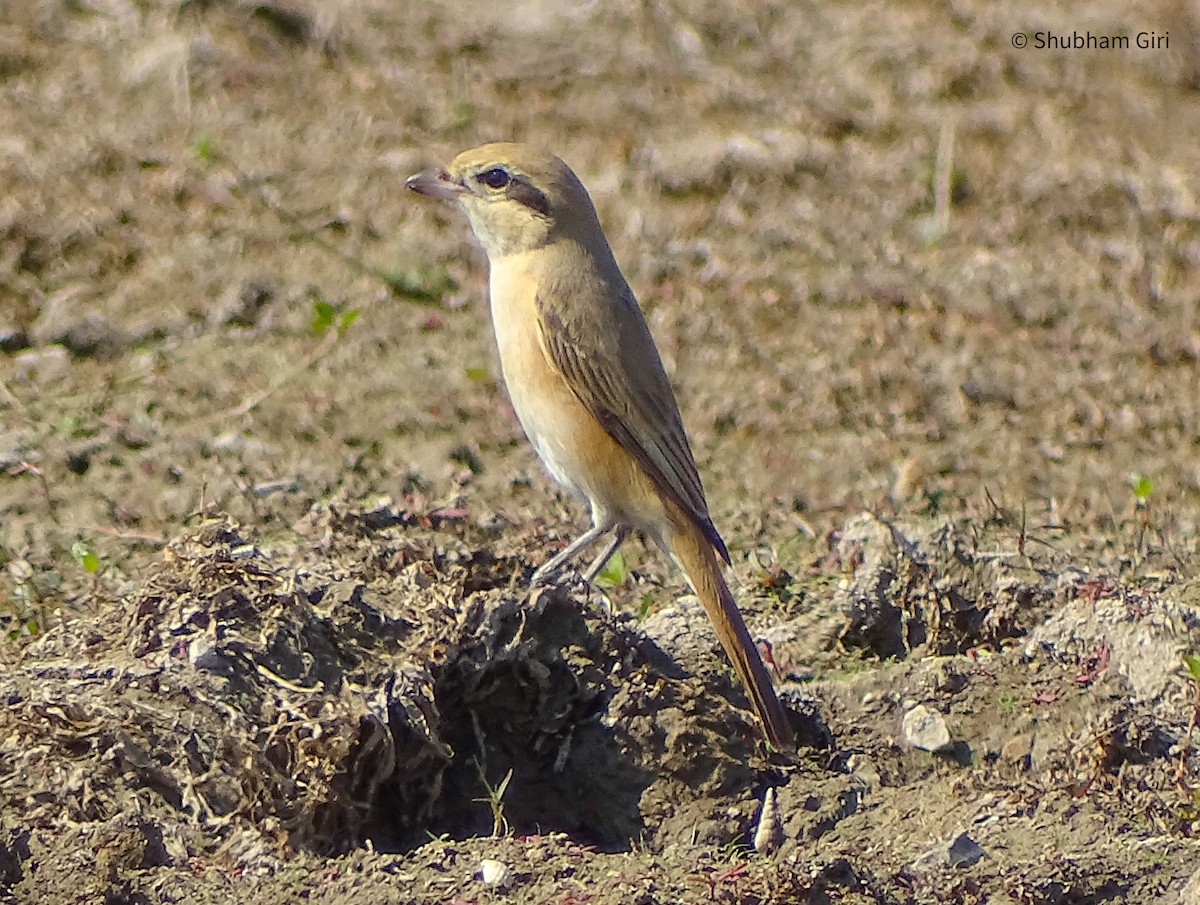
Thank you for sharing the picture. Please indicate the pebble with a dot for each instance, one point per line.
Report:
(964, 851)
(494, 873)
(926, 729)
(768, 835)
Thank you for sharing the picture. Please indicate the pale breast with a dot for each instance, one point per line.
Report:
(545, 405)
(572, 444)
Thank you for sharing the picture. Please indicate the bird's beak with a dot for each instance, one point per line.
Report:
(436, 184)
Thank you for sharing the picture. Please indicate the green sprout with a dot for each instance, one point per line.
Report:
(614, 572)
(1192, 663)
(205, 148)
(327, 316)
(1142, 487)
(494, 799)
(85, 557)
(645, 605)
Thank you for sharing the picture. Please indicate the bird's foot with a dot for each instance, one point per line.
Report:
(573, 583)
(544, 577)
(564, 579)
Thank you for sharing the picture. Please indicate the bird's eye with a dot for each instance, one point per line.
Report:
(495, 178)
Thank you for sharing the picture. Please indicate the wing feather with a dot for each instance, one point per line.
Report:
(620, 380)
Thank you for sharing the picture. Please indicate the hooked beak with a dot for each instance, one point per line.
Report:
(435, 184)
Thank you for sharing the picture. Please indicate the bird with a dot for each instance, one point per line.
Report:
(586, 381)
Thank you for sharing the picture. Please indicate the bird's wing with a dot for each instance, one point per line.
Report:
(605, 352)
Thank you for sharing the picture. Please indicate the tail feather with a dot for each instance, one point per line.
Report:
(696, 556)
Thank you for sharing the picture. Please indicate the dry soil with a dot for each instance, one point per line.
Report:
(929, 299)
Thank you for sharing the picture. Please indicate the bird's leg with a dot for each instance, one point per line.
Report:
(597, 564)
(550, 569)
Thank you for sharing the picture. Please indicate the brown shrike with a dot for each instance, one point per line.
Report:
(587, 383)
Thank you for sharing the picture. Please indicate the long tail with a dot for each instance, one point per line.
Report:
(696, 556)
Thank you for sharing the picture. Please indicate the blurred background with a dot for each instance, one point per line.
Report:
(894, 262)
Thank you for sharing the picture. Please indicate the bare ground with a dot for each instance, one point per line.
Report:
(930, 304)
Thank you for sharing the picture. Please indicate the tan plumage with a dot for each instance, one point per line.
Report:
(587, 383)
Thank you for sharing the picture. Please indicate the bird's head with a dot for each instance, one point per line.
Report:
(516, 197)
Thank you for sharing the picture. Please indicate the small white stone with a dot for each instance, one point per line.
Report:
(494, 873)
(768, 835)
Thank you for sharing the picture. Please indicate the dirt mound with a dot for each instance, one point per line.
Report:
(383, 698)
(257, 707)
